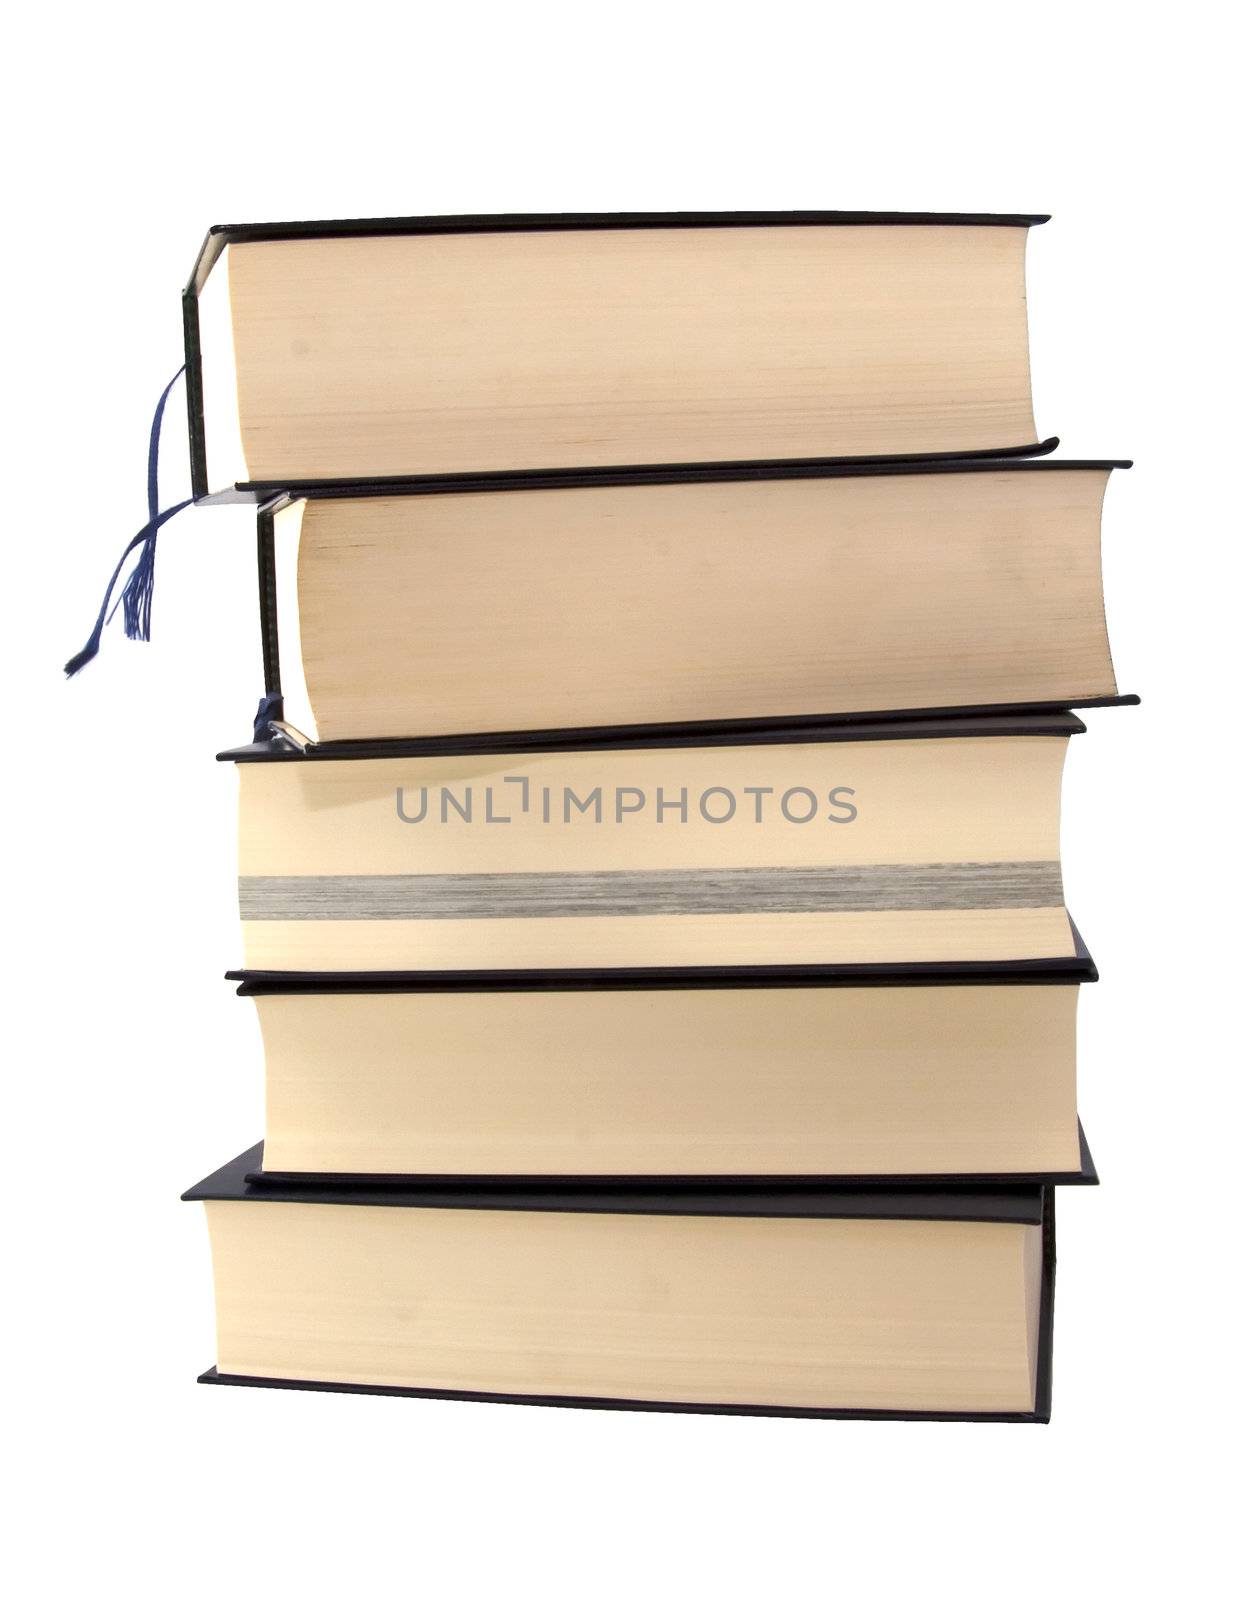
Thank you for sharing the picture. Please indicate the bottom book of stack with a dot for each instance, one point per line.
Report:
(907, 1300)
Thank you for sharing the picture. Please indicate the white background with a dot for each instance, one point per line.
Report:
(133, 1070)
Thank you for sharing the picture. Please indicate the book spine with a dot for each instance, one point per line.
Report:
(272, 706)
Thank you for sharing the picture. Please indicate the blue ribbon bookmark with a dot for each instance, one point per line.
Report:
(135, 598)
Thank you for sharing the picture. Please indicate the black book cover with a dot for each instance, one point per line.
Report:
(809, 1183)
(1049, 722)
(1076, 968)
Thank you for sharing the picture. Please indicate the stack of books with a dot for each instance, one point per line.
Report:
(649, 846)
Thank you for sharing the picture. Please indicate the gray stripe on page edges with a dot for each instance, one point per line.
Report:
(933, 886)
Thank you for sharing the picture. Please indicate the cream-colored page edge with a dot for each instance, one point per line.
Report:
(917, 800)
(700, 1310)
(430, 615)
(755, 352)
(811, 1082)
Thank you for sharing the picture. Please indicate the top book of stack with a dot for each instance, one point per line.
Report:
(437, 348)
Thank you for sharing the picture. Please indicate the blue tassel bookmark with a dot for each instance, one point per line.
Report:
(135, 597)
(271, 709)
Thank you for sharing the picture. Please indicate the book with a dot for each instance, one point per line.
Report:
(701, 598)
(933, 1302)
(870, 1077)
(925, 841)
(425, 346)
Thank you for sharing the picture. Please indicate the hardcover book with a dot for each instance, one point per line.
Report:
(701, 598)
(917, 842)
(444, 345)
(873, 1075)
(933, 1302)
